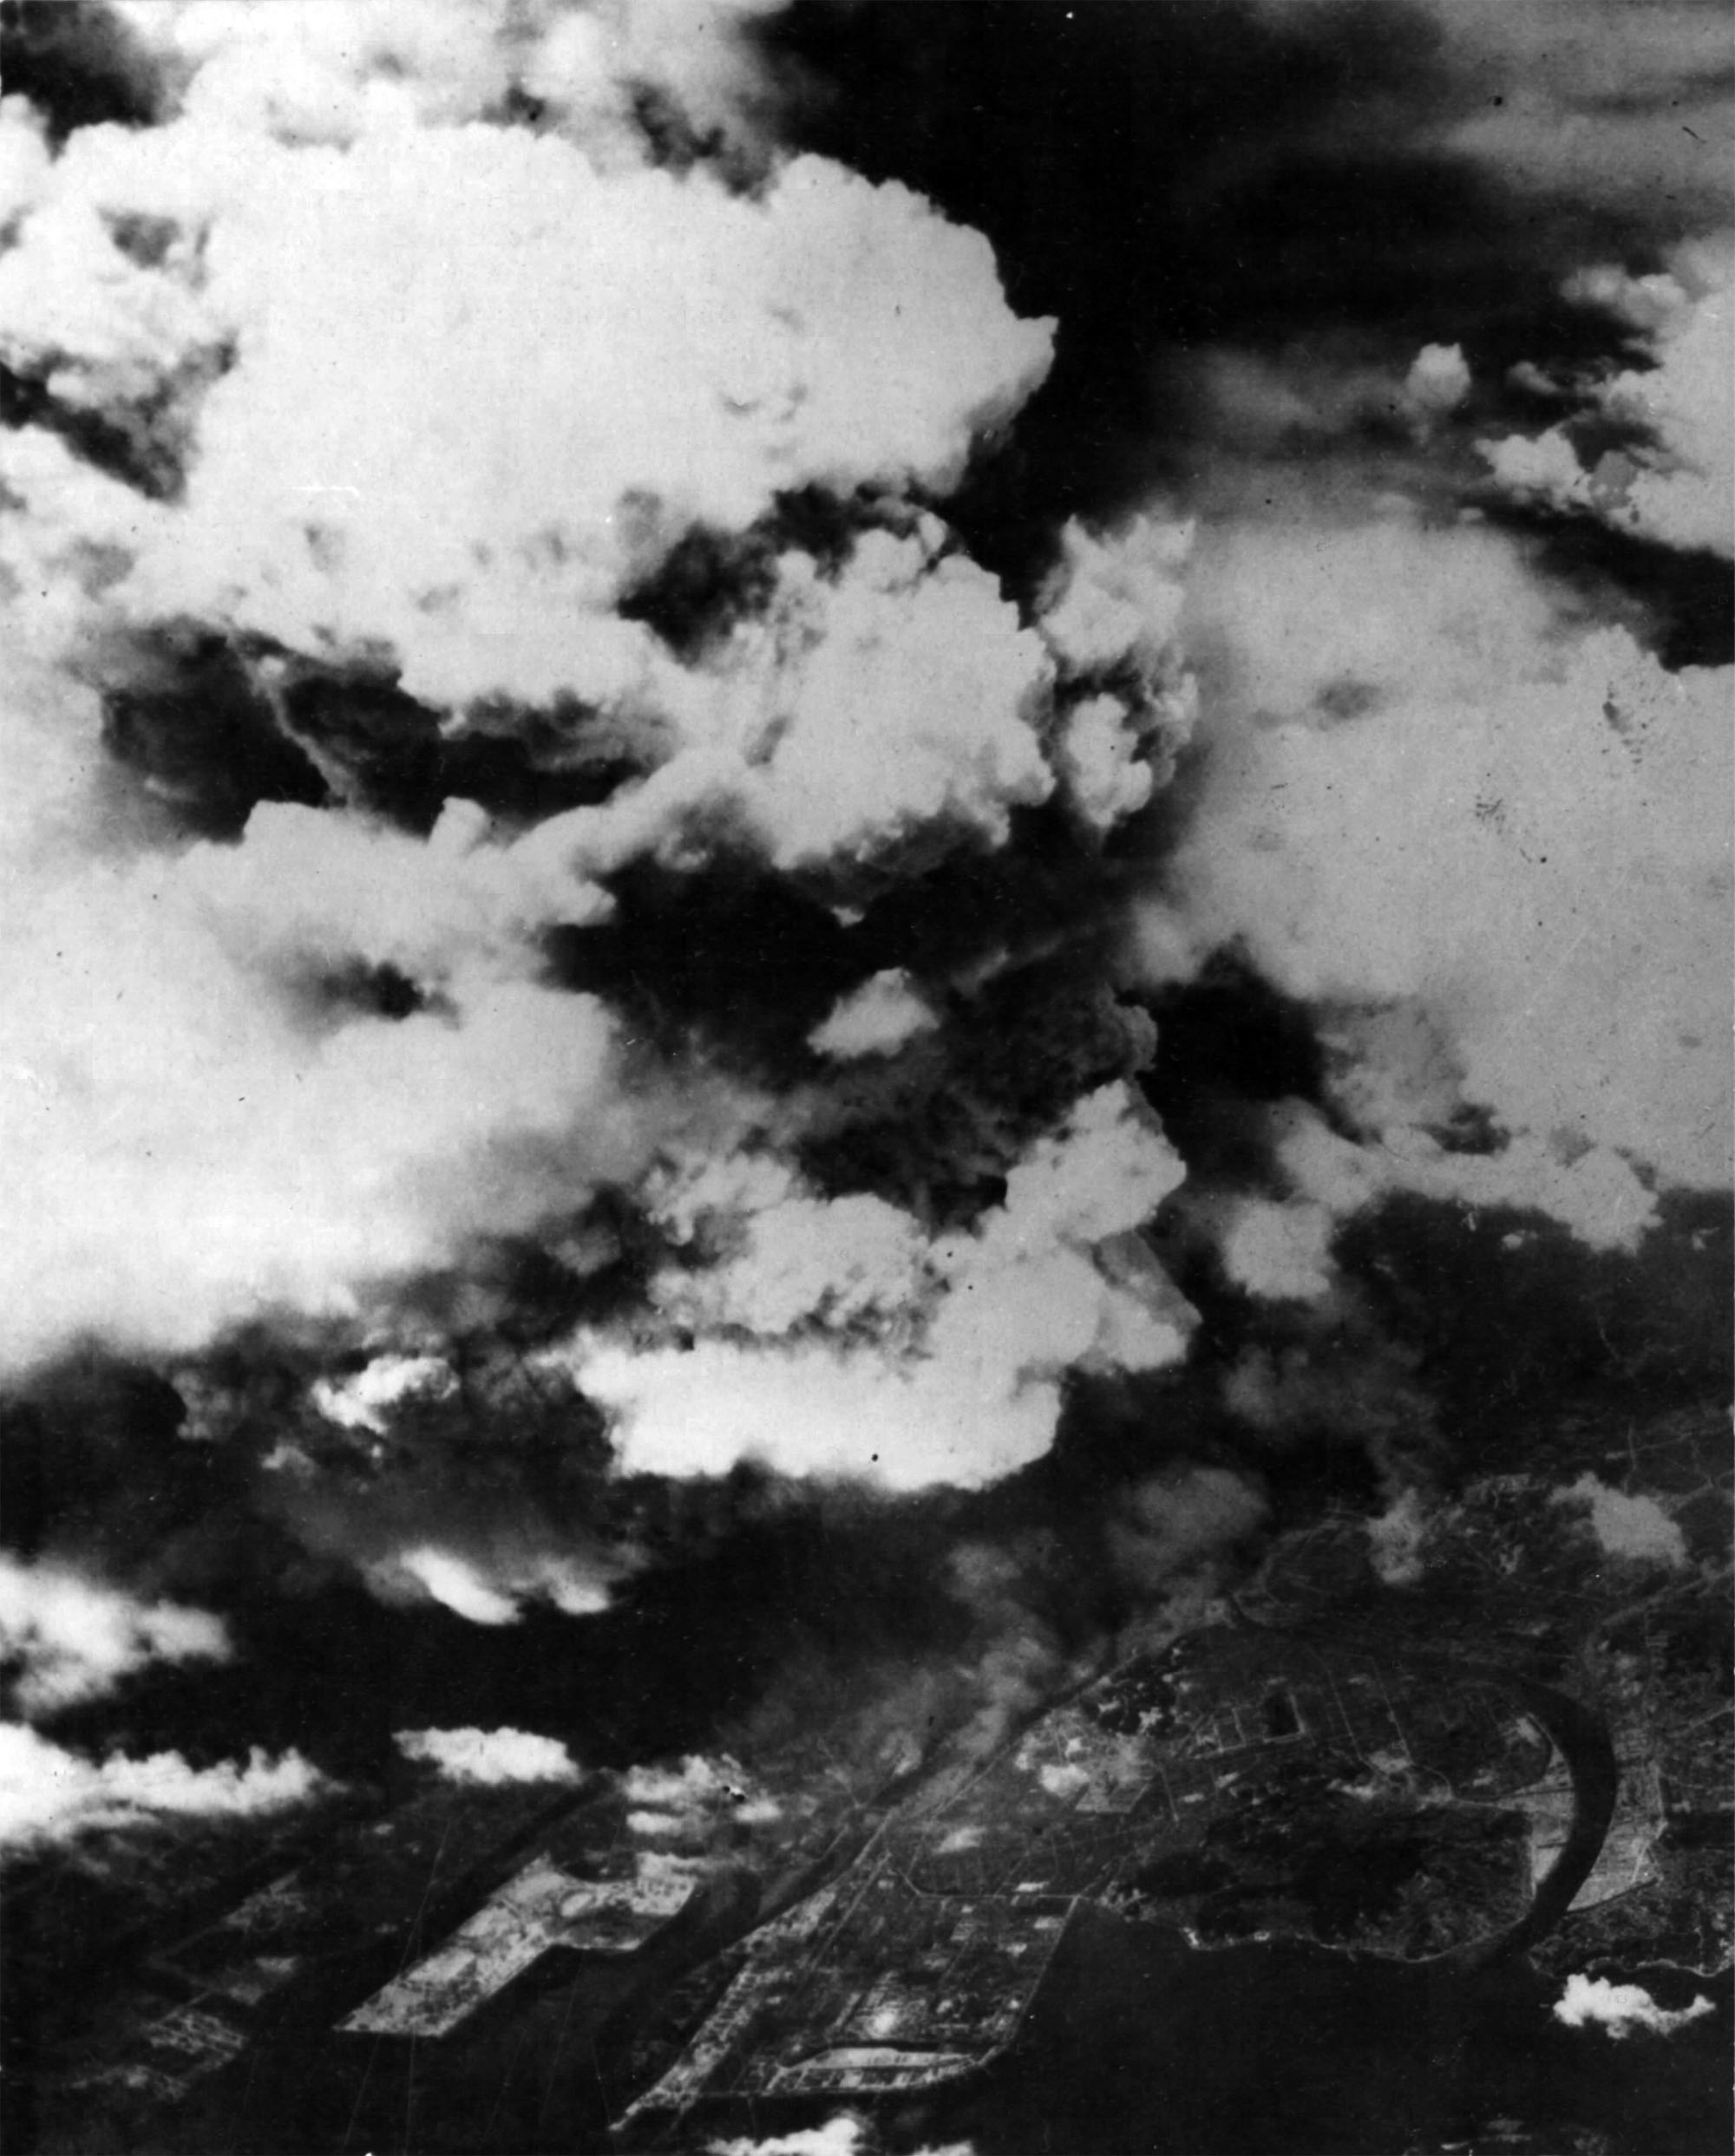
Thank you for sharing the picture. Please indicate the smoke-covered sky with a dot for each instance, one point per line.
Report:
(950, 776)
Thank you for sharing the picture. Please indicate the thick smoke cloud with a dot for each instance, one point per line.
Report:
(833, 1327)
(65, 1638)
(475, 500)
(191, 1072)
(1466, 827)
(439, 498)
(1434, 354)
(631, 651)
(48, 1794)
(1669, 478)
(1418, 174)
(464, 1478)
(324, 72)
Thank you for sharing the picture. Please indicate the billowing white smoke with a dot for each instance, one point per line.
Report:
(326, 70)
(48, 1794)
(1488, 844)
(365, 1400)
(875, 1020)
(1276, 1248)
(1114, 603)
(478, 386)
(1634, 1527)
(198, 1134)
(1597, 2002)
(415, 368)
(489, 1756)
(689, 1804)
(839, 1337)
(69, 1638)
(486, 1586)
(1673, 479)
(886, 711)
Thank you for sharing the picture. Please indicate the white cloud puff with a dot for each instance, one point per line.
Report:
(71, 1638)
(489, 1585)
(1595, 2001)
(808, 1410)
(1438, 380)
(1115, 598)
(830, 1262)
(1277, 1251)
(48, 1794)
(842, 2135)
(489, 1756)
(1110, 615)
(1395, 1538)
(892, 706)
(172, 1089)
(202, 1125)
(884, 1354)
(1635, 1527)
(1673, 479)
(875, 1019)
(363, 1402)
(689, 1802)
(1100, 756)
(329, 70)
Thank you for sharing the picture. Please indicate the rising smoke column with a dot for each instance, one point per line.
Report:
(1455, 806)
(481, 528)
(467, 478)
